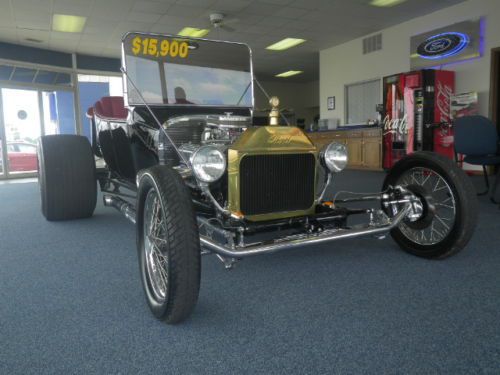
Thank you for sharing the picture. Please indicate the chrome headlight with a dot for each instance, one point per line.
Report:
(209, 163)
(334, 157)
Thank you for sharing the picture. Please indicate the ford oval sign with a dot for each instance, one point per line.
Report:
(442, 45)
(447, 45)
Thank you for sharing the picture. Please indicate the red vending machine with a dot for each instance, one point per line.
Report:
(417, 114)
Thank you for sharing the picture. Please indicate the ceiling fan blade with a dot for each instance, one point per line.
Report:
(227, 28)
(228, 21)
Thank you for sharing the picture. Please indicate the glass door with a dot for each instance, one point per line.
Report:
(21, 128)
(58, 111)
(33, 102)
(2, 157)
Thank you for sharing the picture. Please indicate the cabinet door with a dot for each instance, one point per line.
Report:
(372, 153)
(355, 152)
(319, 139)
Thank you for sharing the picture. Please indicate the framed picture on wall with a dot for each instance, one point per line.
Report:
(330, 104)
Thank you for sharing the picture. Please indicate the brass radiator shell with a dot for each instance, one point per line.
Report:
(267, 140)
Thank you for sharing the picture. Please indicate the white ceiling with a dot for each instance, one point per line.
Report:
(324, 23)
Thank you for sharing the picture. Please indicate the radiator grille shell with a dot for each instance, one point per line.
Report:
(277, 183)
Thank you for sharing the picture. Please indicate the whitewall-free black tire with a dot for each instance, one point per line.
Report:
(67, 177)
(449, 205)
(168, 244)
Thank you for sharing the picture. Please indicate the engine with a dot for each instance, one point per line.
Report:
(188, 133)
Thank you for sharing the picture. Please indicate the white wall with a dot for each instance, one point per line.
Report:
(303, 98)
(345, 64)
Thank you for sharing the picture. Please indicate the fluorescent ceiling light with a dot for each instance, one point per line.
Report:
(68, 24)
(285, 44)
(193, 32)
(289, 73)
(386, 3)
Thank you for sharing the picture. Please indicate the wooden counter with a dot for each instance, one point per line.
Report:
(364, 145)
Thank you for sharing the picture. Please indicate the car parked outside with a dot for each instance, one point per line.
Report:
(22, 156)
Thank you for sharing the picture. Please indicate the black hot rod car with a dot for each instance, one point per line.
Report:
(185, 164)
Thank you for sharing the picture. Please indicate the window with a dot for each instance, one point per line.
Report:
(16, 74)
(361, 101)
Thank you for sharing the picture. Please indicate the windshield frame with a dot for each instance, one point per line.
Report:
(159, 35)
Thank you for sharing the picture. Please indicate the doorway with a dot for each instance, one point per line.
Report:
(25, 115)
(21, 128)
(495, 87)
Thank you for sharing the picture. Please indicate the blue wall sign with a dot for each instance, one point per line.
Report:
(447, 45)
(443, 45)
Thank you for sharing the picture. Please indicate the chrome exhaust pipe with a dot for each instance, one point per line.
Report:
(304, 240)
(126, 208)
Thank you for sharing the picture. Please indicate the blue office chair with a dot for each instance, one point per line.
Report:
(476, 137)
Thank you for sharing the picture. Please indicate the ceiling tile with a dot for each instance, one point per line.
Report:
(31, 6)
(166, 29)
(42, 24)
(277, 2)
(80, 9)
(6, 21)
(246, 19)
(299, 25)
(167, 19)
(259, 29)
(58, 35)
(37, 34)
(143, 17)
(110, 10)
(262, 9)
(196, 3)
(34, 17)
(274, 21)
(306, 4)
(159, 7)
(184, 11)
(290, 12)
(126, 26)
(229, 6)
(99, 31)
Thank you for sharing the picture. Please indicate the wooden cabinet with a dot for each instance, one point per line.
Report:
(372, 153)
(355, 152)
(363, 145)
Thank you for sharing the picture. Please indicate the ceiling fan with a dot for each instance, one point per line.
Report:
(219, 21)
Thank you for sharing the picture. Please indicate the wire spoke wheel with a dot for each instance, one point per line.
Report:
(439, 206)
(154, 246)
(168, 244)
(443, 215)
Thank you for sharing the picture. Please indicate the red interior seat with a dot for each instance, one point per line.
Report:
(111, 107)
(90, 112)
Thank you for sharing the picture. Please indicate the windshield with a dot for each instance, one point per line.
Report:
(169, 70)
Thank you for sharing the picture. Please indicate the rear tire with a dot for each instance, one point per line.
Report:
(449, 205)
(168, 244)
(67, 177)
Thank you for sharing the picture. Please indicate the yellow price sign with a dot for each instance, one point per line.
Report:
(154, 47)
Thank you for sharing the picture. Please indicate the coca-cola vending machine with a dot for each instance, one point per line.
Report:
(417, 114)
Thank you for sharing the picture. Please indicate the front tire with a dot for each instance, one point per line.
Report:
(168, 244)
(449, 205)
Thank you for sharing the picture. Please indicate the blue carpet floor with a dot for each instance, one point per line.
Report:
(71, 302)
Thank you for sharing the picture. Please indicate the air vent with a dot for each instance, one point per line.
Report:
(33, 40)
(372, 43)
